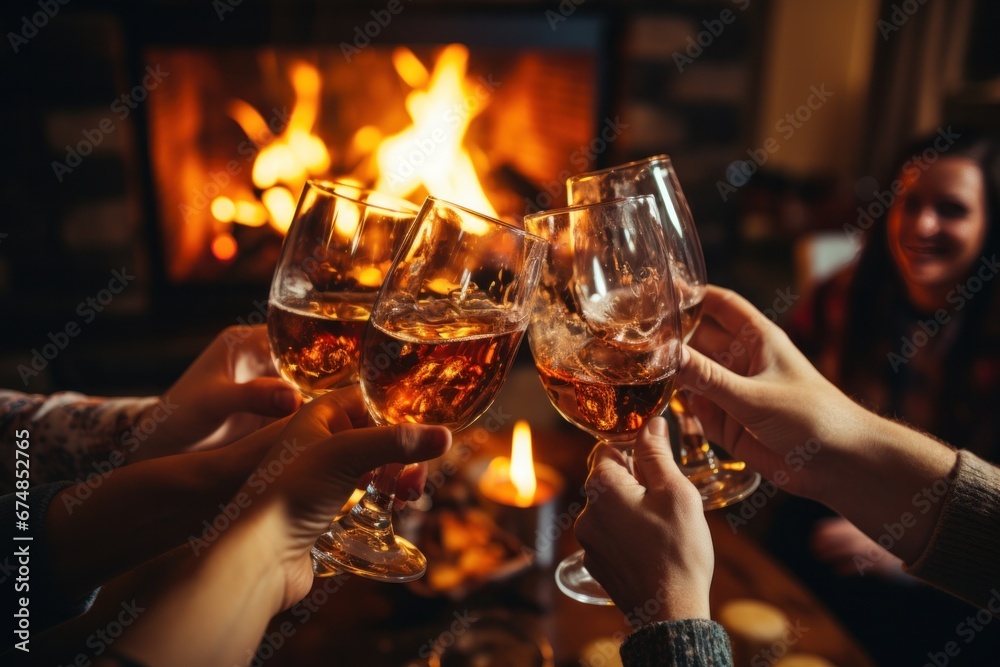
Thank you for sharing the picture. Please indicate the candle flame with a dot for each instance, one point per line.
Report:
(522, 467)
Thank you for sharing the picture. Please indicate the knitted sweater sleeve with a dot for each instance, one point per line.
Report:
(692, 642)
(961, 557)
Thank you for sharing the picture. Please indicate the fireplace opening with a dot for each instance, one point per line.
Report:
(233, 134)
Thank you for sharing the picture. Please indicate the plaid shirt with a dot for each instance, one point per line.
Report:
(907, 370)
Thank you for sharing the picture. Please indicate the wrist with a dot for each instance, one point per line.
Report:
(849, 441)
(148, 435)
(669, 605)
(259, 543)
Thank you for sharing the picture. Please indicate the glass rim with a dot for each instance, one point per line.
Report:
(579, 207)
(321, 184)
(653, 159)
(523, 232)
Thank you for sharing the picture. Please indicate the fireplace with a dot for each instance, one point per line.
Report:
(546, 93)
(491, 112)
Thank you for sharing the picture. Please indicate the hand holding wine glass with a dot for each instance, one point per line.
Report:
(720, 483)
(605, 330)
(657, 524)
(444, 331)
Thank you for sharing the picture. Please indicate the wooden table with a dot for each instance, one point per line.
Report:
(743, 570)
(354, 621)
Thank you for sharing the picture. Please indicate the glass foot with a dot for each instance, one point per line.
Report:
(574, 580)
(727, 483)
(322, 568)
(379, 555)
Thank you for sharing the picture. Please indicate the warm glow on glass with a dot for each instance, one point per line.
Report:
(347, 218)
(522, 465)
(368, 276)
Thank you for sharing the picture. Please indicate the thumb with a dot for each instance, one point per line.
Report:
(268, 397)
(364, 449)
(653, 456)
(704, 377)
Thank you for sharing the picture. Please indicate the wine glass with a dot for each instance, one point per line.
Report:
(442, 336)
(339, 246)
(605, 330)
(720, 483)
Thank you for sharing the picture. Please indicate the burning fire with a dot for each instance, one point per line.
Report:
(428, 154)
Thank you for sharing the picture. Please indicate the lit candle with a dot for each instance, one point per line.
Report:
(522, 495)
(516, 480)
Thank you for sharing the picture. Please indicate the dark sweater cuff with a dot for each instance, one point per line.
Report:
(686, 643)
(48, 603)
(961, 557)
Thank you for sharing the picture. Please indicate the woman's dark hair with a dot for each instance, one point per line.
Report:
(877, 284)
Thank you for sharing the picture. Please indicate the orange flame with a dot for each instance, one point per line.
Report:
(287, 160)
(428, 153)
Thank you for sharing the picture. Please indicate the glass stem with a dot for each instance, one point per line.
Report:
(628, 451)
(374, 510)
(695, 452)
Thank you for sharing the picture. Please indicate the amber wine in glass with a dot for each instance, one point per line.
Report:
(443, 333)
(605, 330)
(341, 242)
(720, 483)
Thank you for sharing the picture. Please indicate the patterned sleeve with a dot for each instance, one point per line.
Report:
(72, 436)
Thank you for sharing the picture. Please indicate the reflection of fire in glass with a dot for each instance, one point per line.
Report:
(235, 133)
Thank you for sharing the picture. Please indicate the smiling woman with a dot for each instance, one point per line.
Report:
(937, 231)
(912, 331)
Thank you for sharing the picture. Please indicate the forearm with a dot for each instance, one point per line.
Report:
(890, 481)
(143, 510)
(216, 606)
